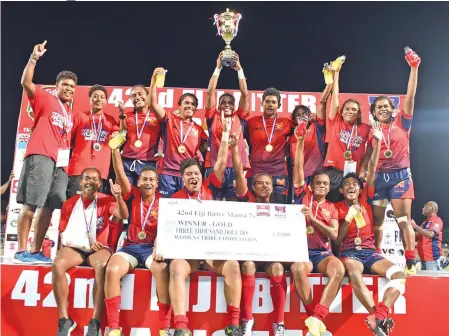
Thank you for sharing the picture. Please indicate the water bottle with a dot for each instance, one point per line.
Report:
(336, 65)
(411, 57)
(118, 140)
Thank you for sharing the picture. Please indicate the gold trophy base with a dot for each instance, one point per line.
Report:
(228, 59)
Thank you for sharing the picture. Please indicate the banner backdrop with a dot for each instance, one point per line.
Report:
(168, 98)
(29, 307)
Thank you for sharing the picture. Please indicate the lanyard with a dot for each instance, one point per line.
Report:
(197, 197)
(387, 144)
(181, 132)
(94, 205)
(272, 129)
(68, 116)
(148, 212)
(97, 128)
(357, 230)
(139, 133)
(348, 143)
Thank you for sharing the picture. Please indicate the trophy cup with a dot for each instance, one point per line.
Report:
(227, 25)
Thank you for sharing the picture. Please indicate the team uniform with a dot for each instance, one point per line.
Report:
(393, 175)
(272, 133)
(43, 179)
(429, 249)
(359, 241)
(208, 188)
(177, 147)
(215, 126)
(90, 136)
(104, 205)
(343, 137)
(141, 147)
(319, 245)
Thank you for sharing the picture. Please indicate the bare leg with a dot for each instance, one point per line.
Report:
(24, 224)
(354, 269)
(98, 261)
(41, 226)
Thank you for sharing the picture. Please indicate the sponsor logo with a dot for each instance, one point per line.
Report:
(280, 211)
(263, 210)
(13, 223)
(12, 246)
(11, 237)
(15, 210)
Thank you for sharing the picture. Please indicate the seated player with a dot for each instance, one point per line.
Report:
(214, 115)
(84, 228)
(359, 254)
(138, 247)
(262, 192)
(196, 188)
(322, 226)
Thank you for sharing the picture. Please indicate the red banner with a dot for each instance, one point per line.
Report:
(29, 308)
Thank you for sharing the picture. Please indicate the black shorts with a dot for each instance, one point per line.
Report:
(336, 177)
(41, 183)
(73, 187)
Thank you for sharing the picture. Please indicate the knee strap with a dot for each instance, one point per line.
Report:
(392, 270)
(398, 284)
(402, 219)
(382, 203)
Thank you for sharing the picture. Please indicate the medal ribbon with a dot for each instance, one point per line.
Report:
(357, 230)
(68, 116)
(387, 144)
(197, 197)
(272, 129)
(348, 143)
(97, 128)
(139, 133)
(181, 132)
(148, 212)
(94, 205)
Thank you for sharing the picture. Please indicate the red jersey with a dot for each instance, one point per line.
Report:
(324, 212)
(399, 144)
(247, 197)
(192, 137)
(51, 127)
(366, 233)
(207, 189)
(149, 135)
(313, 147)
(339, 139)
(430, 249)
(105, 209)
(262, 161)
(83, 138)
(136, 217)
(215, 126)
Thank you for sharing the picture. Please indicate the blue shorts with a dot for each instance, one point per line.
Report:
(139, 253)
(394, 185)
(228, 187)
(367, 257)
(133, 168)
(317, 256)
(280, 188)
(168, 185)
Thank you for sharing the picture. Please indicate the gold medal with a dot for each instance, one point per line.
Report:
(181, 149)
(137, 143)
(388, 153)
(97, 146)
(348, 155)
(141, 235)
(268, 148)
(310, 230)
(358, 241)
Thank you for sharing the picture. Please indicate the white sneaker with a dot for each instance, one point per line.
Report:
(247, 327)
(279, 329)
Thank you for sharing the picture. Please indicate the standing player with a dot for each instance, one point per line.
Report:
(346, 136)
(43, 179)
(393, 178)
(88, 211)
(196, 188)
(138, 247)
(182, 137)
(322, 226)
(430, 236)
(267, 136)
(359, 254)
(262, 190)
(144, 131)
(214, 116)
(90, 134)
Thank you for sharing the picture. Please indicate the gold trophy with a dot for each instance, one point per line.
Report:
(227, 25)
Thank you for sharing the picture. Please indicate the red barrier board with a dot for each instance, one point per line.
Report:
(29, 308)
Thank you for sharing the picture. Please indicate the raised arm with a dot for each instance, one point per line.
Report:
(121, 212)
(7, 184)
(154, 105)
(335, 92)
(244, 100)
(241, 186)
(210, 96)
(121, 115)
(321, 111)
(222, 156)
(120, 175)
(377, 134)
(28, 73)
(409, 102)
(298, 173)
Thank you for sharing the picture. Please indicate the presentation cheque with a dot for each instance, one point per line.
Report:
(190, 229)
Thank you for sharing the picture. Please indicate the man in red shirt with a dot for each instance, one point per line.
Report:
(182, 137)
(347, 137)
(144, 132)
(138, 247)
(43, 179)
(90, 134)
(322, 226)
(267, 136)
(430, 236)
(89, 213)
(214, 116)
(359, 255)
(197, 189)
(394, 178)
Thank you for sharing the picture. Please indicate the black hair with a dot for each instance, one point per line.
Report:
(373, 105)
(350, 100)
(272, 92)
(351, 175)
(321, 171)
(140, 86)
(97, 87)
(66, 75)
(149, 168)
(186, 163)
(226, 94)
(90, 168)
(185, 95)
(306, 112)
(259, 175)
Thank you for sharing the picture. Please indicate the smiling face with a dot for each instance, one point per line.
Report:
(300, 114)
(350, 111)
(97, 100)
(139, 97)
(227, 105)
(65, 89)
(187, 107)
(263, 186)
(382, 110)
(90, 182)
(192, 179)
(147, 183)
(350, 189)
(320, 185)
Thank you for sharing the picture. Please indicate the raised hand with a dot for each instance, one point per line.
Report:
(219, 65)
(11, 177)
(300, 130)
(39, 50)
(414, 61)
(233, 139)
(116, 190)
(158, 71)
(121, 106)
(377, 130)
(237, 66)
(227, 123)
(357, 206)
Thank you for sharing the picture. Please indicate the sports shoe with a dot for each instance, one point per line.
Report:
(410, 268)
(93, 328)
(165, 332)
(278, 329)
(379, 327)
(233, 331)
(115, 332)
(182, 332)
(23, 257)
(65, 326)
(247, 327)
(315, 325)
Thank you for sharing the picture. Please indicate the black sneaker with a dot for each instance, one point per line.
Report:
(379, 327)
(93, 328)
(233, 331)
(65, 326)
(182, 332)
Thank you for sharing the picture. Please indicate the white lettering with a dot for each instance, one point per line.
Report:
(309, 101)
(262, 302)
(127, 292)
(129, 102)
(116, 95)
(400, 306)
(81, 291)
(204, 294)
(153, 298)
(357, 306)
(26, 288)
(165, 99)
(292, 101)
(49, 300)
(220, 300)
(336, 305)
(140, 332)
